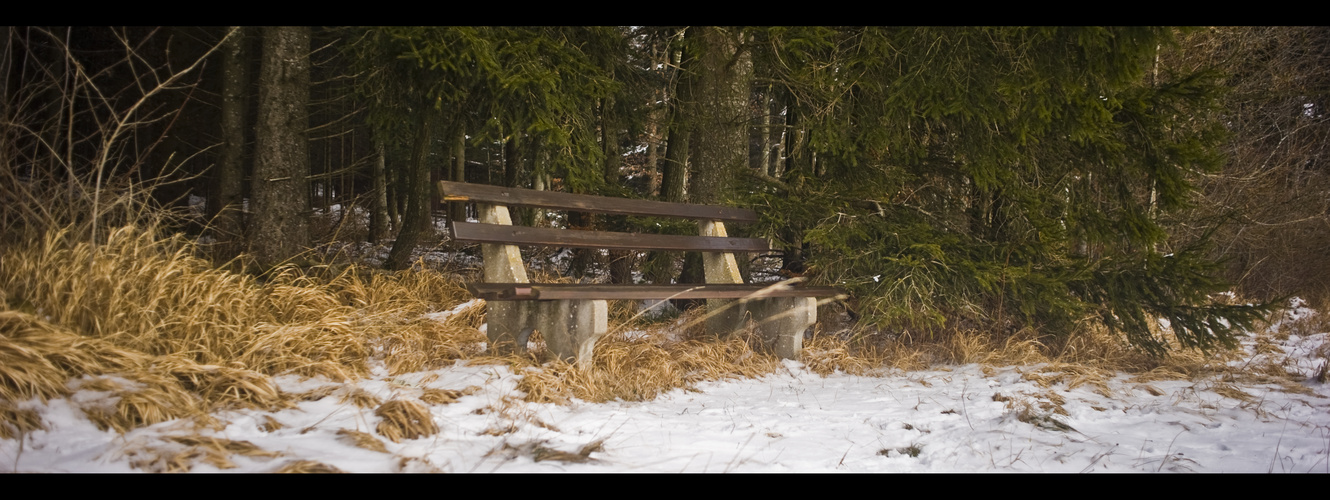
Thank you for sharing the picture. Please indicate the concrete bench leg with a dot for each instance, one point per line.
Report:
(570, 327)
(780, 322)
(508, 326)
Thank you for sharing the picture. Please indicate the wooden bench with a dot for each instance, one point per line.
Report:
(571, 317)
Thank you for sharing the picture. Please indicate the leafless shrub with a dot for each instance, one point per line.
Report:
(1274, 191)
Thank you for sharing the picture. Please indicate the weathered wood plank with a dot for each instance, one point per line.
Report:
(560, 291)
(460, 191)
(521, 235)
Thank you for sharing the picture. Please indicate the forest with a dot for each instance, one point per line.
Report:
(262, 199)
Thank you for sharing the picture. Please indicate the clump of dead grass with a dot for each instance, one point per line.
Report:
(397, 308)
(15, 421)
(360, 398)
(307, 467)
(148, 293)
(826, 354)
(186, 337)
(225, 386)
(361, 439)
(404, 419)
(641, 369)
(182, 453)
(434, 396)
(38, 357)
(1042, 414)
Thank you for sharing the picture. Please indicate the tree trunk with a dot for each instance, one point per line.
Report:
(660, 266)
(224, 206)
(417, 222)
(621, 261)
(724, 75)
(512, 160)
(764, 164)
(676, 164)
(457, 209)
(378, 220)
(723, 69)
(280, 228)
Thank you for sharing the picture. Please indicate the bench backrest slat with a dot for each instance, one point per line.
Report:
(460, 191)
(522, 235)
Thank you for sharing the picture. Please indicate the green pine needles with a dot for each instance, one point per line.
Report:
(1000, 178)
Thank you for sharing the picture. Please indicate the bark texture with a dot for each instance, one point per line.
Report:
(225, 204)
(724, 73)
(280, 225)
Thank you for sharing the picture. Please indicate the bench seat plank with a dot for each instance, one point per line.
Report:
(565, 291)
(460, 191)
(522, 235)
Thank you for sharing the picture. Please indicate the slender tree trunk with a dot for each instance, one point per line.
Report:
(457, 210)
(660, 266)
(224, 205)
(8, 146)
(621, 261)
(778, 163)
(378, 220)
(653, 156)
(416, 222)
(280, 228)
(396, 197)
(675, 170)
(512, 160)
(793, 135)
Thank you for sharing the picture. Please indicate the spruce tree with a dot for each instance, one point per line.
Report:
(1000, 178)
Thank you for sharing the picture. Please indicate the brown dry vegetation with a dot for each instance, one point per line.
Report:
(172, 336)
(1272, 191)
(184, 337)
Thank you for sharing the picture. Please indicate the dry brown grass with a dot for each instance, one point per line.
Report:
(1042, 414)
(185, 338)
(182, 453)
(641, 369)
(395, 305)
(361, 440)
(192, 338)
(317, 394)
(146, 293)
(360, 398)
(403, 419)
(445, 396)
(271, 424)
(307, 467)
(37, 357)
(825, 354)
(224, 386)
(15, 422)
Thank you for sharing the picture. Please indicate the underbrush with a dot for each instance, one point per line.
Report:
(171, 335)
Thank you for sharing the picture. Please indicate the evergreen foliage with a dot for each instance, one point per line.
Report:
(1002, 177)
(541, 82)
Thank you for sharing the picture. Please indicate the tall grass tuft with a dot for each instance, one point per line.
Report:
(183, 337)
(637, 369)
(148, 293)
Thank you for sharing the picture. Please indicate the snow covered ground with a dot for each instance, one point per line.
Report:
(959, 418)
